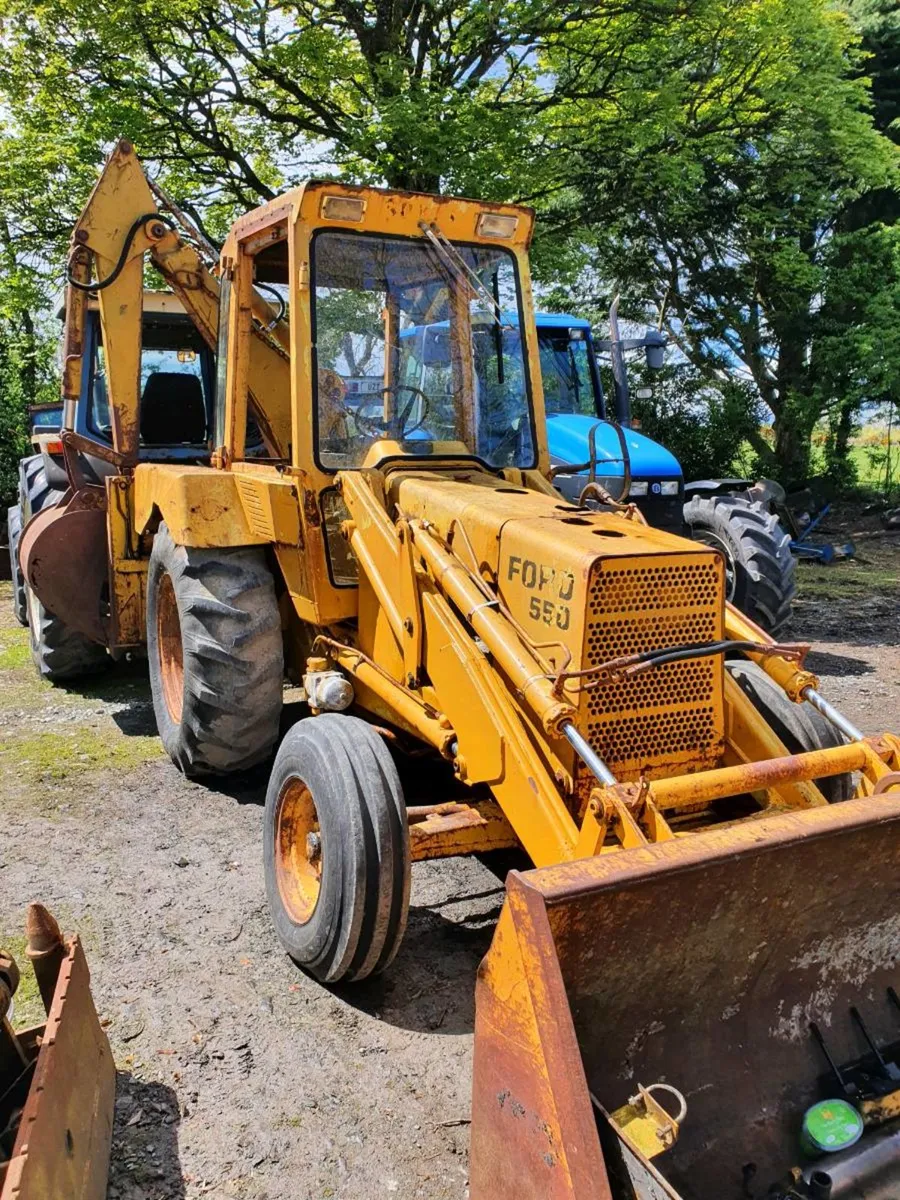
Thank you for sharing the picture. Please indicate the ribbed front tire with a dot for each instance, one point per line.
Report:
(799, 726)
(336, 849)
(215, 654)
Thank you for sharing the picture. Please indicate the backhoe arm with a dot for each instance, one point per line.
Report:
(121, 223)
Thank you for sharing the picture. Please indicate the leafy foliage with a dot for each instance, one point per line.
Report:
(722, 210)
(719, 162)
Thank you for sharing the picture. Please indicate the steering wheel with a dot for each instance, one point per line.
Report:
(376, 426)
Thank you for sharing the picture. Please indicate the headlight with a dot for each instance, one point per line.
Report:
(640, 487)
(669, 487)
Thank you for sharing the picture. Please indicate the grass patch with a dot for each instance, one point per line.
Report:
(846, 580)
(15, 650)
(55, 756)
(29, 1008)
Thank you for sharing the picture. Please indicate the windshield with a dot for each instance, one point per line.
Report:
(566, 372)
(409, 347)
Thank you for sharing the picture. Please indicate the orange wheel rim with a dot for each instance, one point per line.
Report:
(298, 850)
(171, 653)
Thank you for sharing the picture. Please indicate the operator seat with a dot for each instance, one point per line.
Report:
(172, 410)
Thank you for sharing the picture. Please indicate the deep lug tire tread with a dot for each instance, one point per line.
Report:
(233, 656)
(760, 550)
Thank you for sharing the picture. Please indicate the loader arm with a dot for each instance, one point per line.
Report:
(122, 222)
(459, 671)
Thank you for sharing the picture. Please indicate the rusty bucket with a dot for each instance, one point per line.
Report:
(699, 962)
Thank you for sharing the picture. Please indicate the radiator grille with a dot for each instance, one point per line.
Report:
(670, 717)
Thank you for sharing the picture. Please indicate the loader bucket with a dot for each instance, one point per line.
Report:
(699, 962)
(64, 1125)
(64, 558)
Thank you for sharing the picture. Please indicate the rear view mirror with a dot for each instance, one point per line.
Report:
(655, 347)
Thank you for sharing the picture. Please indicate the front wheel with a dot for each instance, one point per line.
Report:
(799, 726)
(336, 849)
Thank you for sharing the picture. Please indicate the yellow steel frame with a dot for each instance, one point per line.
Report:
(472, 593)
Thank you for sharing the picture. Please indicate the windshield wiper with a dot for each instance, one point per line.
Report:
(452, 258)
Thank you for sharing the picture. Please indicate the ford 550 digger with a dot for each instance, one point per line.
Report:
(692, 994)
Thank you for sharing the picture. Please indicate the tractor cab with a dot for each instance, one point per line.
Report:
(176, 383)
(415, 346)
(646, 473)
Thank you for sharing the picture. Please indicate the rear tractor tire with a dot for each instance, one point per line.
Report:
(215, 654)
(799, 726)
(759, 567)
(60, 654)
(336, 849)
(14, 532)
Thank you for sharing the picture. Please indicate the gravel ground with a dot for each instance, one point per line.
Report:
(239, 1076)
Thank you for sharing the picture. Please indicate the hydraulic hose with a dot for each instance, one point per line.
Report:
(123, 255)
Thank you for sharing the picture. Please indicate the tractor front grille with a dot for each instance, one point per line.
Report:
(667, 719)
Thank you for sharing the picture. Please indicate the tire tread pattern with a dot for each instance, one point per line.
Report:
(761, 555)
(233, 656)
(360, 917)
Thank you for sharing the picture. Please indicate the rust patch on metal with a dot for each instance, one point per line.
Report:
(171, 651)
(61, 1147)
(64, 559)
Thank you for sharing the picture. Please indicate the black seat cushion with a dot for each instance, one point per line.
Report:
(172, 410)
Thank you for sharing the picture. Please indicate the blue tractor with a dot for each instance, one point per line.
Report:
(585, 440)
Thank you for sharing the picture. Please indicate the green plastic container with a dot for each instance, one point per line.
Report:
(830, 1126)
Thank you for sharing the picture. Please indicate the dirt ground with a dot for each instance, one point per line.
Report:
(239, 1076)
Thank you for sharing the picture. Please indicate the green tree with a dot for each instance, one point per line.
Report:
(717, 198)
(697, 152)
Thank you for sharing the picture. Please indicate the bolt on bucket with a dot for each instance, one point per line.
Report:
(700, 963)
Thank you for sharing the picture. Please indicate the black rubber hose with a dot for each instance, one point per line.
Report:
(282, 307)
(123, 256)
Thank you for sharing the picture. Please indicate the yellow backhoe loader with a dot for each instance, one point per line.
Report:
(692, 994)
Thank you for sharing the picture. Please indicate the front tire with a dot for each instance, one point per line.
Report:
(759, 565)
(336, 849)
(215, 654)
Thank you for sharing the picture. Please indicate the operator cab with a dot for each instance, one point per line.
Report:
(577, 412)
(414, 346)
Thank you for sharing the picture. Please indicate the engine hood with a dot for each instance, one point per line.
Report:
(568, 439)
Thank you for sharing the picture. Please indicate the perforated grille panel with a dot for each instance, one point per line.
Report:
(670, 716)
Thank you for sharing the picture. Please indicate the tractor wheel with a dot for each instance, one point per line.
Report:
(14, 532)
(799, 726)
(336, 849)
(35, 490)
(60, 654)
(215, 652)
(759, 567)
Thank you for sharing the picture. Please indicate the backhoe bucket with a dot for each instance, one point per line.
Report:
(64, 558)
(699, 962)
